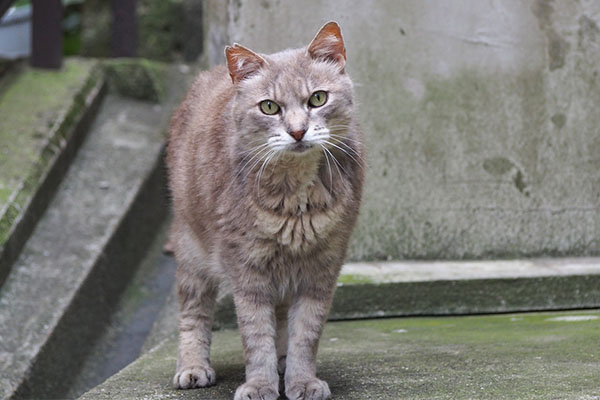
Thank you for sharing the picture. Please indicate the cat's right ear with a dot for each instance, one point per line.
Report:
(329, 45)
(242, 62)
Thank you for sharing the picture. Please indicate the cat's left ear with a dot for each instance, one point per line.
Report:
(242, 62)
(329, 45)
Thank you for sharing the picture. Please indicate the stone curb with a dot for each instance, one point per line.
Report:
(35, 192)
(120, 179)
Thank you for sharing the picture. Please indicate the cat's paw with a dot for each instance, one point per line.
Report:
(256, 390)
(194, 377)
(314, 389)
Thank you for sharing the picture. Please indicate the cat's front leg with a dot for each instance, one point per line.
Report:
(307, 317)
(255, 310)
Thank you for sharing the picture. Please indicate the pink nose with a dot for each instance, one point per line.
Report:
(298, 135)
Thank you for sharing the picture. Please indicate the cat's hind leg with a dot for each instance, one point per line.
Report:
(197, 297)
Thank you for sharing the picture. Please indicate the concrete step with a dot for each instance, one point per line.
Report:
(387, 289)
(510, 356)
(421, 288)
(44, 116)
(63, 288)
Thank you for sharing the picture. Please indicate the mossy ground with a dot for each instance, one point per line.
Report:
(346, 279)
(36, 108)
(28, 109)
(524, 356)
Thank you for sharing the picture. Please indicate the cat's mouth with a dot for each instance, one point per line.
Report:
(299, 147)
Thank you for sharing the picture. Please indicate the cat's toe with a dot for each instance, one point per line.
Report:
(256, 390)
(194, 377)
(314, 389)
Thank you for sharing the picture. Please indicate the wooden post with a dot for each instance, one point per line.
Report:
(46, 34)
(124, 30)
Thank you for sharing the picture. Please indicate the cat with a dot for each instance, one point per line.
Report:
(266, 169)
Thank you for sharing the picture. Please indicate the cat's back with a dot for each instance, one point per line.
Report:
(196, 139)
(203, 105)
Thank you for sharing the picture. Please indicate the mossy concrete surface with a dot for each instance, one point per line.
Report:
(137, 78)
(519, 356)
(480, 118)
(29, 109)
(44, 116)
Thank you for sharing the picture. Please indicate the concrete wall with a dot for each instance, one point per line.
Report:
(482, 117)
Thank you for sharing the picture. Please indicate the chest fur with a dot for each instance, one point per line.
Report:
(300, 219)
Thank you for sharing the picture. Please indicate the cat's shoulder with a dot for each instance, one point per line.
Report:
(215, 80)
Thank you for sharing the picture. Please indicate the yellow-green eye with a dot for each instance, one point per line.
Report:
(317, 99)
(269, 107)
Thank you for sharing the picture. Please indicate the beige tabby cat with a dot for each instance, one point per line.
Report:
(266, 170)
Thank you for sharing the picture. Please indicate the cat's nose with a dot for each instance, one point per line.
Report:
(298, 135)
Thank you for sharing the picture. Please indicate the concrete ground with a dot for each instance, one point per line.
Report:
(525, 356)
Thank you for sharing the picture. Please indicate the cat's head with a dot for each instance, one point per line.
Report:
(295, 101)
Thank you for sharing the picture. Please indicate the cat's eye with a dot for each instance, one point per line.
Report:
(269, 107)
(317, 99)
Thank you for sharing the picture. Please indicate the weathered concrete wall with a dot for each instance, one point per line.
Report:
(482, 118)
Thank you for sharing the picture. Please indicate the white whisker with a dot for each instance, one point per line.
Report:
(337, 163)
(329, 167)
(344, 151)
(346, 138)
(350, 148)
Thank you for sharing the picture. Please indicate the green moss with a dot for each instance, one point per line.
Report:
(353, 278)
(138, 78)
(38, 108)
(4, 194)
(29, 107)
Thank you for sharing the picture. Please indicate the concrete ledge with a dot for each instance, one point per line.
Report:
(368, 290)
(85, 248)
(519, 356)
(29, 187)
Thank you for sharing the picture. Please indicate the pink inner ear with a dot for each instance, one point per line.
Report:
(328, 44)
(242, 62)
